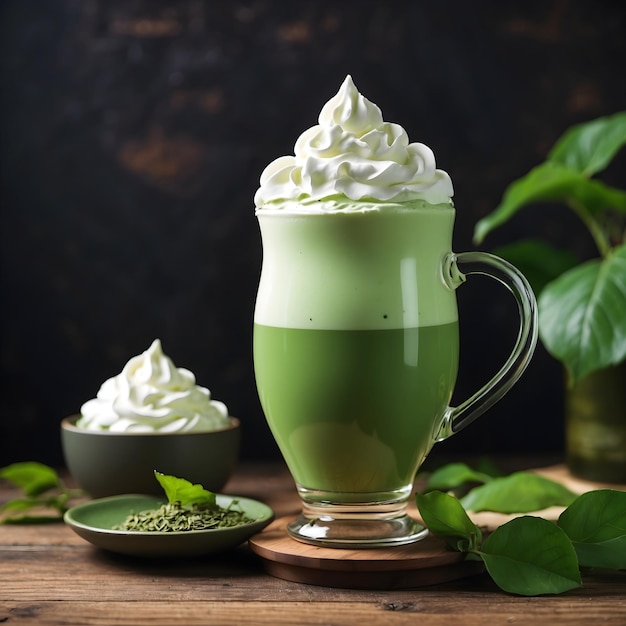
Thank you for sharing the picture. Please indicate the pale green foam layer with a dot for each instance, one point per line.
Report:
(369, 269)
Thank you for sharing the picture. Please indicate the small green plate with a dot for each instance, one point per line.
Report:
(94, 521)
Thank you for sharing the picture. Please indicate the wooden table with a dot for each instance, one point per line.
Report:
(48, 575)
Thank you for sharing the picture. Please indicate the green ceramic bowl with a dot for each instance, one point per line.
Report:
(95, 520)
(106, 464)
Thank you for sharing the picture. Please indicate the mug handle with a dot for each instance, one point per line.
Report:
(456, 268)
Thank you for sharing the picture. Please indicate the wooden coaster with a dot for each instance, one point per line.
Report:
(425, 562)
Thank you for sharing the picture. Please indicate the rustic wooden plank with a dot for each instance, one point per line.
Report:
(34, 574)
(32, 535)
(306, 613)
(49, 575)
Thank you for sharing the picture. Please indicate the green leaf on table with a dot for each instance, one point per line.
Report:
(444, 515)
(30, 511)
(520, 492)
(19, 504)
(452, 476)
(590, 147)
(43, 490)
(539, 261)
(596, 524)
(582, 315)
(32, 477)
(530, 556)
(486, 465)
(609, 554)
(184, 492)
(18, 511)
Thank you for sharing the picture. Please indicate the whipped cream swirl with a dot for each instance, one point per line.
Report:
(354, 154)
(152, 395)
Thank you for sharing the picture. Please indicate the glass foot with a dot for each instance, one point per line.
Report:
(350, 532)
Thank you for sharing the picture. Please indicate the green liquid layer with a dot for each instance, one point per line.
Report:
(355, 411)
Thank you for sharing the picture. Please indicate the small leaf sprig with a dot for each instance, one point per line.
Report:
(528, 555)
(45, 496)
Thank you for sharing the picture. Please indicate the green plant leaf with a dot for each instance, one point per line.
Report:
(521, 492)
(444, 516)
(551, 182)
(539, 261)
(590, 147)
(595, 196)
(184, 492)
(596, 524)
(582, 315)
(530, 556)
(32, 477)
(545, 182)
(452, 476)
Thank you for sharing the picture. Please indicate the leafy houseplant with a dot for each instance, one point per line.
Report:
(582, 304)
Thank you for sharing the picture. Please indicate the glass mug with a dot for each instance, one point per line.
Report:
(356, 353)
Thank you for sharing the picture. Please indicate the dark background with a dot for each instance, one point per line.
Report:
(133, 134)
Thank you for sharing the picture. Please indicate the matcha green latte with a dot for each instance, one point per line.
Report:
(356, 342)
(369, 436)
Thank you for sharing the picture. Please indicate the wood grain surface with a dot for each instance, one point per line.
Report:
(49, 575)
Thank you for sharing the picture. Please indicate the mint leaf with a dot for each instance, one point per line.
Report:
(452, 476)
(521, 492)
(184, 492)
(596, 524)
(582, 315)
(32, 477)
(590, 147)
(444, 516)
(530, 556)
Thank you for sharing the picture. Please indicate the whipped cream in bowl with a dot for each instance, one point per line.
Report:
(151, 416)
(152, 395)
